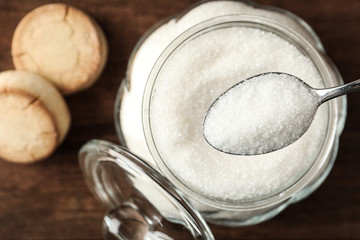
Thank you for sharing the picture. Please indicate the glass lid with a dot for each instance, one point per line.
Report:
(141, 203)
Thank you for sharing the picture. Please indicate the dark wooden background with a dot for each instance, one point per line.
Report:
(49, 200)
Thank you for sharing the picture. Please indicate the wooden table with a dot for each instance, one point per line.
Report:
(49, 200)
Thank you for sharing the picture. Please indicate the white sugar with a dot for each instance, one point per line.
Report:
(193, 78)
(259, 115)
(186, 90)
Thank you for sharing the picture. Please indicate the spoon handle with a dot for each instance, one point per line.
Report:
(330, 93)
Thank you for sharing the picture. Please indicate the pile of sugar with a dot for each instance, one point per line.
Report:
(199, 165)
(262, 114)
(192, 78)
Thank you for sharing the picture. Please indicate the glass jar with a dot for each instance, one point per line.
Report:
(149, 58)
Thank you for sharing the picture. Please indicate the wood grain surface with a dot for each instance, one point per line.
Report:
(49, 200)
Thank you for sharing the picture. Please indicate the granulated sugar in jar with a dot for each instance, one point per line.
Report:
(179, 68)
(195, 75)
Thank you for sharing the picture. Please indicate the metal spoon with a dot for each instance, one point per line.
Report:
(227, 137)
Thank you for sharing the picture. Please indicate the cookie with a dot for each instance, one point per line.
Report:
(62, 44)
(34, 117)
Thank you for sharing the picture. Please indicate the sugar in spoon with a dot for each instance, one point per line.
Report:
(265, 113)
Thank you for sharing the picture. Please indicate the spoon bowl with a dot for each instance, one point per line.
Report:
(265, 113)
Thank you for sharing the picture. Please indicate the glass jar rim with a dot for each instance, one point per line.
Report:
(284, 32)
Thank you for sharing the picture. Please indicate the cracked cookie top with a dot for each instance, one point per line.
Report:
(34, 117)
(62, 44)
